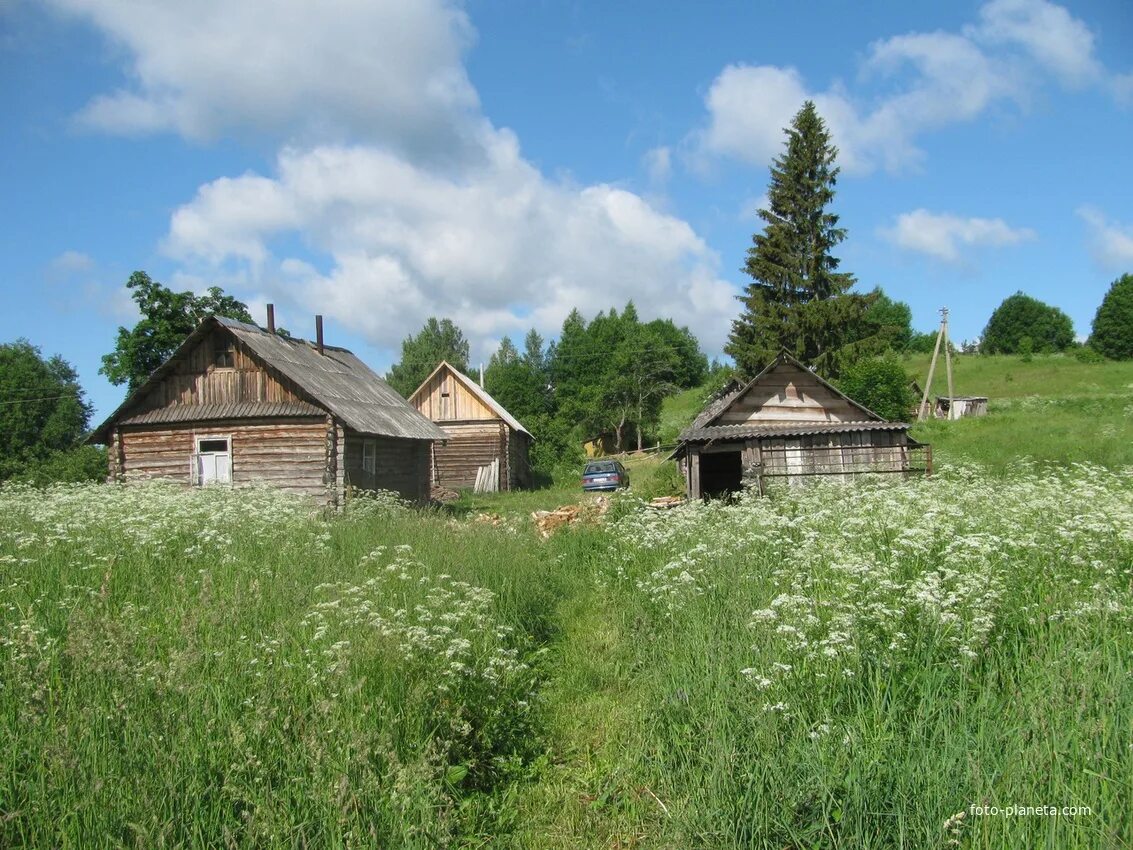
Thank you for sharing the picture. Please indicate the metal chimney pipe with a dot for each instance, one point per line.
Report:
(271, 318)
(481, 376)
(319, 334)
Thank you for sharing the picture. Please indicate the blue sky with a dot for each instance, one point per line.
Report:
(500, 162)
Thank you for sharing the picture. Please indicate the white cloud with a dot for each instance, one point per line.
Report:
(498, 247)
(908, 85)
(1048, 32)
(951, 80)
(1122, 86)
(944, 236)
(394, 198)
(379, 69)
(748, 107)
(658, 164)
(1111, 242)
(70, 262)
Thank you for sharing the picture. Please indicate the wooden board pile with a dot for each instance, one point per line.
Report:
(488, 478)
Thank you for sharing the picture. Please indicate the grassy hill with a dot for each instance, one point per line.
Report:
(1050, 408)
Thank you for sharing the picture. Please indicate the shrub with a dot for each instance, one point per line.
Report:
(880, 384)
(1088, 354)
(1112, 332)
(72, 466)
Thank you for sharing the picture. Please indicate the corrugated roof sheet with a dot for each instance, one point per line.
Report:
(801, 429)
(336, 381)
(477, 391)
(201, 412)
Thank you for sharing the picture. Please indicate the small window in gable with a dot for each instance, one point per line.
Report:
(225, 355)
(369, 456)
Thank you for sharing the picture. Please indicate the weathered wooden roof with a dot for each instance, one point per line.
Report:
(203, 412)
(477, 390)
(732, 432)
(335, 381)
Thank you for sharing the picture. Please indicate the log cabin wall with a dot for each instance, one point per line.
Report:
(470, 446)
(789, 395)
(397, 464)
(219, 370)
(289, 454)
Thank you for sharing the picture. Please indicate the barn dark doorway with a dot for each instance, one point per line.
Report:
(721, 474)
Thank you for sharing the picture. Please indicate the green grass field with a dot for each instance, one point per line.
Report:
(837, 667)
(1052, 408)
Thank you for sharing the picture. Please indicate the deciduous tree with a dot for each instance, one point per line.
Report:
(1020, 318)
(1112, 332)
(43, 416)
(167, 318)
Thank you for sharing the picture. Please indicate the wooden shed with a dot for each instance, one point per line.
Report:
(236, 404)
(788, 423)
(960, 406)
(479, 431)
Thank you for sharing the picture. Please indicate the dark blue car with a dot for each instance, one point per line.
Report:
(604, 475)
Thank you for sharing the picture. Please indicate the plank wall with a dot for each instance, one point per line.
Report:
(847, 453)
(197, 380)
(788, 395)
(445, 398)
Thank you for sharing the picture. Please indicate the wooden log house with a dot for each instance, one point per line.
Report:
(789, 424)
(479, 431)
(236, 404)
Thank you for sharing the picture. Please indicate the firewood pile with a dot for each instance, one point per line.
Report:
(443, 494)
(548, 522)
(665, 502)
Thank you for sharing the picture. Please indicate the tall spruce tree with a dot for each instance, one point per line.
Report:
(798, 299)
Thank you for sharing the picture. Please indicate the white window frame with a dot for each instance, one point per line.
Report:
(194, 461)
(370, 456)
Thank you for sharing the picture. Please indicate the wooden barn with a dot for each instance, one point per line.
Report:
(480, 433)
(788, 423)
(236, 404)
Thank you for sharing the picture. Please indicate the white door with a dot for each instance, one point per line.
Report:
(214, 461)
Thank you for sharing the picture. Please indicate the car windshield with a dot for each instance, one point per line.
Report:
(601, 466)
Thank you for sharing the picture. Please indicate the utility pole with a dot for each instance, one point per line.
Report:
(947, 359)
(941, 335)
